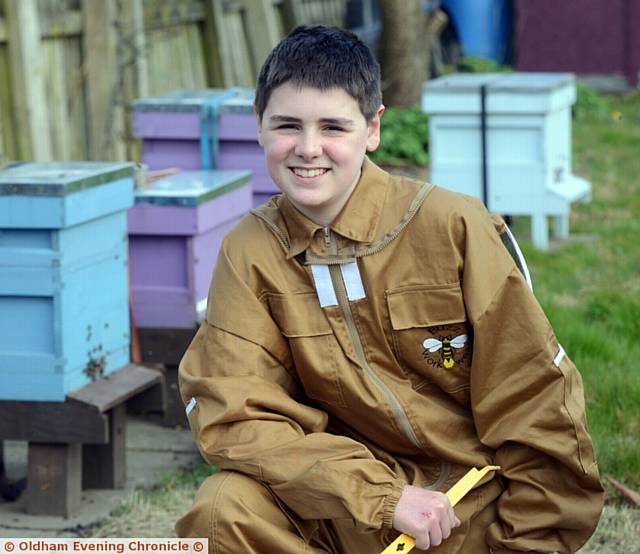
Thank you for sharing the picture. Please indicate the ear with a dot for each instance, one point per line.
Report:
(373, 130)
(259, 125)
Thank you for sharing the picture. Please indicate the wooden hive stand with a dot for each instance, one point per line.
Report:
(79, 443)
(164, 348)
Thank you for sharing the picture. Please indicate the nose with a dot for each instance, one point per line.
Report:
(308, 145)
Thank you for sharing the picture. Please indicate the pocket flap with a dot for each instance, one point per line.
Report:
(299, 315)
(426, 306)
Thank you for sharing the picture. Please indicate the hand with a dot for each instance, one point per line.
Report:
(425, 515)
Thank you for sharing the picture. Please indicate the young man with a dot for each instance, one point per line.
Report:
(368, 340)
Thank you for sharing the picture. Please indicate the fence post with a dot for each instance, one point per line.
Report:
(27, 78)
(134, 57)
(264, 32)
(104, 80)
(218, 74)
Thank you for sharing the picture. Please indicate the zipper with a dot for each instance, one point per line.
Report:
(378, 246)
(327, 237)
(343, 301)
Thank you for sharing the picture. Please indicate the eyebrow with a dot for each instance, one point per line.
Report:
(340, 121)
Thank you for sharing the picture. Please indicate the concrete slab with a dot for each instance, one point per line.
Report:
(152, 452)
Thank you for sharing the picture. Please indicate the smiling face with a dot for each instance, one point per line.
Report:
(314, 143)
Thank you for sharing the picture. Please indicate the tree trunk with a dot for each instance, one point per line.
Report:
(405, 50)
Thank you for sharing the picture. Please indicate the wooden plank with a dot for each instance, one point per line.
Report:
(56, 79)
(132, 16)
(212, 48)
(66, 24)
(196, 52)
(237, 51)
(104, 465)
(262, 23)
(27, 79)
(157, 15)
(292, 13)
(74, 98)
(52, 422)
(103, 76)
(136, 77)
(221, 72)
(53, 479)
(115, 388)
(4, 80)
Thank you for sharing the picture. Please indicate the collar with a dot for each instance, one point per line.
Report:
(358, 220)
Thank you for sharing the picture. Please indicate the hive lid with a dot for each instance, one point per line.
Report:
(512, 82)
(242, 102)
(60, 178)
(192, 188)
(506, 93)
(192, 100)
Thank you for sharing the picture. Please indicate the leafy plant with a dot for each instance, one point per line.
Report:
(404, 137)
(476, 64)
(590, 104)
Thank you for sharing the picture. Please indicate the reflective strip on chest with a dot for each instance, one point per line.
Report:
(324, 285)
(352, 281)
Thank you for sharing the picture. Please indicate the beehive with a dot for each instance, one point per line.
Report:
(64, 317)
(175, 232)
(527, 144)
(203, 129)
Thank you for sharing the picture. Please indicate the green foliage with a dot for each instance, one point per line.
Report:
(590, 104)
(189, 478)
(404, 137)
(476, 64)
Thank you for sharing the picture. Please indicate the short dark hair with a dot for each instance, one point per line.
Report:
(322, 57)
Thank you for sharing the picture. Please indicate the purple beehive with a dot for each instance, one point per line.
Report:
(202, 129)
(175, 231)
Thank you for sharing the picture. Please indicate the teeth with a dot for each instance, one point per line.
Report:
(300, 172)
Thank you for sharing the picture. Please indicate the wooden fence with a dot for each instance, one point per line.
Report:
(69, 69)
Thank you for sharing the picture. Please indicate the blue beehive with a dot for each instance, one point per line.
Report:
(64, 317)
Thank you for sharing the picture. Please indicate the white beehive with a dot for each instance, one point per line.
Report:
(527, 144)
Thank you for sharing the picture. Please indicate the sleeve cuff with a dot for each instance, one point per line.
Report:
(390, 503)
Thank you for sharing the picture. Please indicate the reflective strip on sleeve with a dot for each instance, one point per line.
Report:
(191, 405)
(201, 307)
(352, 281)
(324, 286)
(559, 356)
(519, 258)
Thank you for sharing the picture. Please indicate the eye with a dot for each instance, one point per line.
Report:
(334, 129)
(286, 127)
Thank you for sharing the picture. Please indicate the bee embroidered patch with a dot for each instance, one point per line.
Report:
(446, 347)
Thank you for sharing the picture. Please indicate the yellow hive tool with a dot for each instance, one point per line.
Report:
(405, 543)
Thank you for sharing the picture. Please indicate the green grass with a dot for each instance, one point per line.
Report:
(590, 289)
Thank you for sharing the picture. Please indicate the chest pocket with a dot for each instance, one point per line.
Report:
(314, 348)
(431, 337)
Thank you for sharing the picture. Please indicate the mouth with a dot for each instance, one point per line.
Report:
(308, 173)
